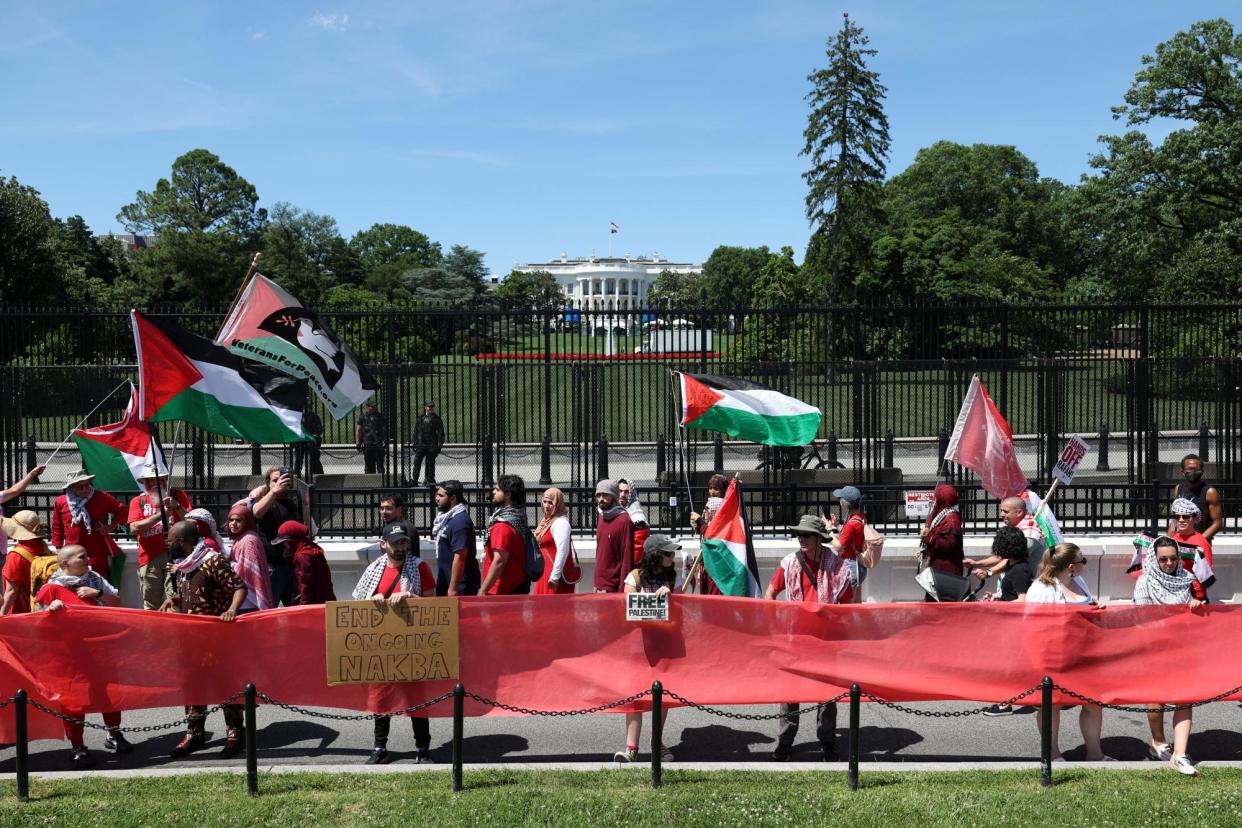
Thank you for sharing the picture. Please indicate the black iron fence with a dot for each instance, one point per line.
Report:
(564, 384)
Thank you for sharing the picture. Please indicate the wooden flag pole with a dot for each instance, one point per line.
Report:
(1047, 497)
(250, 271)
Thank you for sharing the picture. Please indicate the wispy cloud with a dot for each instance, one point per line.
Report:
(330, 22)
(258, 35)
(477, 158)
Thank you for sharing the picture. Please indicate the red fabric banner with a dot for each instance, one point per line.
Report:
(572, 652)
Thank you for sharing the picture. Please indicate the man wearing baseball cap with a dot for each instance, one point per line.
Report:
(813, 574)
(399, 575)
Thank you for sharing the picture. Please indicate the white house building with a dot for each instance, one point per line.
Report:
(619, 283)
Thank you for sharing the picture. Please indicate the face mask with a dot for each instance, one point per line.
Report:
(1193, 476)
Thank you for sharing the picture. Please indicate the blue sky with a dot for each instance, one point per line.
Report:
(522, 128)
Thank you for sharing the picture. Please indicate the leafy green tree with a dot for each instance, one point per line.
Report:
(774, 337)
(207, 225)
(1166, 219)
(846, 139)
(301, 251)
(467, 264)
(674, 290)
(729, 275)
(386, 251)
(29, 270)
(535, 291)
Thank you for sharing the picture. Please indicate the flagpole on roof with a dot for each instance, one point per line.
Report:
(107, 397)
(250, 271)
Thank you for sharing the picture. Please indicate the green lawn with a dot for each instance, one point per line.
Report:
(694, 798)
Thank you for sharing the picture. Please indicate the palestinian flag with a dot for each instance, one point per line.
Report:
(269, 325)
(116, 453)
(745, 409)
(183, 376)
(728, 552)
(1046, 523)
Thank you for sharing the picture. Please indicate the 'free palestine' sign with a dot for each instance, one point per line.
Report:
(416, 641)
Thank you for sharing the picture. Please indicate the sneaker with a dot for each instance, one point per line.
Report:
(627, 755)
(1161, 753)
(1183, 765)
(998, 710)
(666, 755)
(117, 743)
(782, 753)
(379, 756)
(82, 759)
(422, 756)
(232, 745)
(188, 744)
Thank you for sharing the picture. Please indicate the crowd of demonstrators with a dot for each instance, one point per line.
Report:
(399, 575)
(452, 532)
(631, 499)
(504, 571)
(614, 538)
(428, 442)
(85, 515)
(150, 514)
(1205, 497)
(556, 544)
(75, 584)
(813, 574)
(201, 582)
(371, 438)
(655, 574)
(1060, 581)
(271, 504)
(1164, 581)
(28, 529)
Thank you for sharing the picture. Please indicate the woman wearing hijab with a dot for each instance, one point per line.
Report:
(248, 557)
(942, 536)
(555, 537)
(85, 515)
(312, 577)
(1165, 582)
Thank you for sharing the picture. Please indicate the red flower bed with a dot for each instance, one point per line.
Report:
(537, 356)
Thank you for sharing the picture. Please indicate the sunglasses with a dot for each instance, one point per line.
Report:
(1183, 517)
(1081, 561)
(1166, 559)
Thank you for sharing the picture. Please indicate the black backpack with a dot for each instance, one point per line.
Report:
(532, 564)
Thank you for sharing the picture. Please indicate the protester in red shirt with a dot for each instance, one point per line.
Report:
(76, 585)
(148, 522)
(851, 535)
(614, 538)
(817, 575)
(85, 515)
(1185, 514)
(310, 568)
(28, 530)
(505, 547)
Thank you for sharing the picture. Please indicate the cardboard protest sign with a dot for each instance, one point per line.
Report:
(919, 503)
(646, 606)
(1071, 456)
(416, 641)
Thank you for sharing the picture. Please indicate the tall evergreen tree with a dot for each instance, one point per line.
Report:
(847, 141)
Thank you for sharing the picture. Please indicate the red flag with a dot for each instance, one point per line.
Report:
(983, 443)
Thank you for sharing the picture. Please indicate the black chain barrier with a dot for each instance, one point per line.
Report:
(526, 711)
(1165, 708)
(353, 717)
(948, 714)
(144, 729)
(753, 717)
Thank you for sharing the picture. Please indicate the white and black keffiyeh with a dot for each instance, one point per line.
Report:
(1155, 586)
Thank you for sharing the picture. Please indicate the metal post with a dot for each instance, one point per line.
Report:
(32, 451)
(661, 459)
(1101, 463)
(545, 462)
(657, 733)
(23, 747)
(256, 459)
(1203, 442)
(832, 449)
(718, 449)
(252, 744)
(488, 477)
(602, 461)
(459, 715)
(199, 462)
(942, 448)
(1045, 732)
(855, 699)
(889, 443)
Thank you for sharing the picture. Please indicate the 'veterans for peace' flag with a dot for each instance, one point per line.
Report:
(983, 443)
(728, 551)
(116, 453)
(187, 377)
(271, 326)
(745, 409)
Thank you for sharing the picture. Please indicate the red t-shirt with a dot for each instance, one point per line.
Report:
(810, 591)
(851, 537)
(390, 580)
(504, 536)
(17, 573)
(151, 541)
(53, 592)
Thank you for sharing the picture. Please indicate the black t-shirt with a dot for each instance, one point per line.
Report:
(282, 509)
(1016, 580)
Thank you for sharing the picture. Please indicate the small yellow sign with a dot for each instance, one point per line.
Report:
(369, 644)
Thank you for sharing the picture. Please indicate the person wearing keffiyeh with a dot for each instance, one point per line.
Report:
(1165, 582)
(85, 515)
(249, 558)
(505, 544)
